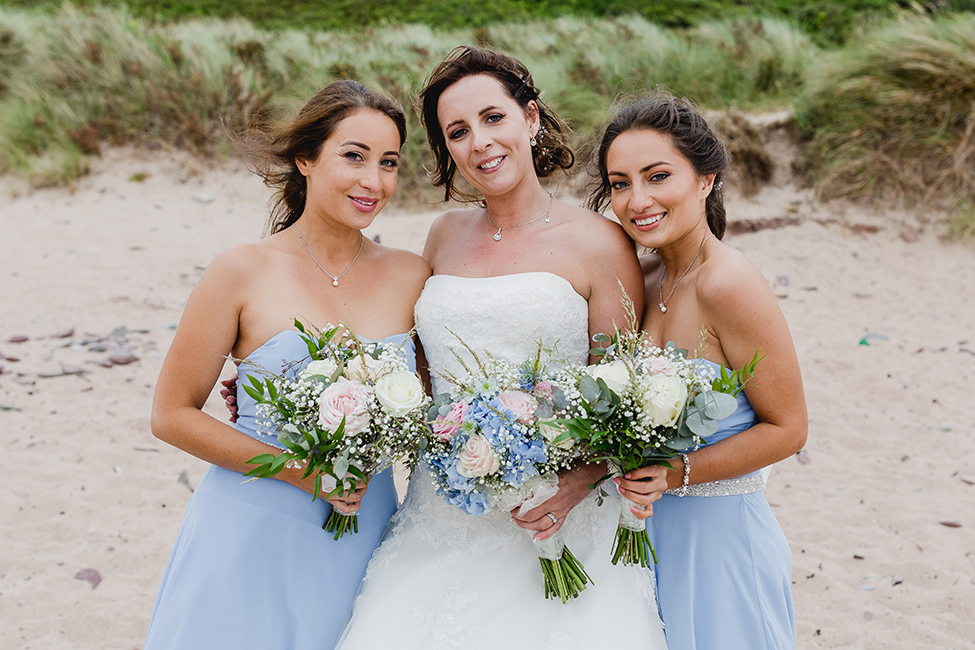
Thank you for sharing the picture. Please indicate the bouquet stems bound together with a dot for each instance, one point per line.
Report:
(349, 409)
(490, 446)
(643, 406)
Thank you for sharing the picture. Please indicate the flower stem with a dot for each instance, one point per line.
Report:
(341, 523)
(633, 547)
(565, 577)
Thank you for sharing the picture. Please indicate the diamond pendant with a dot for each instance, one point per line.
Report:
(662, 308)
(497, 235)
(335, 282)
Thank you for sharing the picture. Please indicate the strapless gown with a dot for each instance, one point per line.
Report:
(725, 569)
(251, 566)
(443, 579)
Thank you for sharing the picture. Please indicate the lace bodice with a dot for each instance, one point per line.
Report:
(505, 315)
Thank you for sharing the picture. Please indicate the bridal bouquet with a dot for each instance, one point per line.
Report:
(643, 406)
(354, 409)
(490, 446)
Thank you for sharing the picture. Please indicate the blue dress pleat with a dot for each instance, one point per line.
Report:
(251, 566)
(724, 571)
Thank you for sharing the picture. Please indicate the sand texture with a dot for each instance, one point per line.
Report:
(879, 508)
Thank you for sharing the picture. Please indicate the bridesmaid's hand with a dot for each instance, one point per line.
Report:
(643, 486)
(349, 503)
(229, 394)
(573, 488)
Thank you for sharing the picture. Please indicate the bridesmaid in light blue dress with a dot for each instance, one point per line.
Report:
(251, 566)
(724, 566)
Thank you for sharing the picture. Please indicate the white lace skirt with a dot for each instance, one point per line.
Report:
(442, 579)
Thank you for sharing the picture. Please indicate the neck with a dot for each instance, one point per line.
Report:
(525, 202)
(328, 240)
(678, 255)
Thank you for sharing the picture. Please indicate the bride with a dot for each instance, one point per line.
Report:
(521, 269)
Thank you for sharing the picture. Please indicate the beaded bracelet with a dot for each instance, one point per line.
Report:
(682, 490)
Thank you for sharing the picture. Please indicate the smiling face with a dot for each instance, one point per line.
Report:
(487, 133)
(354, 175)
(655, 192)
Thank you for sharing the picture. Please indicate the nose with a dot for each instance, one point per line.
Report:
(480, 140)
(641, 198)
(370, 178)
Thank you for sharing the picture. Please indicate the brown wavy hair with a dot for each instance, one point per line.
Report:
(690, 134)
(275, 150)
(550, 154)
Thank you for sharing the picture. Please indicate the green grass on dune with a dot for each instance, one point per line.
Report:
(892, 117)
(72, 79)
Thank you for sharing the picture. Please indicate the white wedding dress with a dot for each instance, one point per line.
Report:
(443, 579)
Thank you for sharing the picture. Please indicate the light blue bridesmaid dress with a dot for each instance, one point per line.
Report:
(251, 566)
(724, 570)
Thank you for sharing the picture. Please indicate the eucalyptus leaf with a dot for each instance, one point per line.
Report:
(340, 467)
(718, 406)
(589, 388)
(602, 338)
(561, 402)
(680, 443)
(597, 352)
(700, 424)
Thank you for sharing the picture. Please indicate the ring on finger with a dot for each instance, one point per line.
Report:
(554, 519)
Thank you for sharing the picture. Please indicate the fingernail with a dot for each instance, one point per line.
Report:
(627, 475)
(622, 491)
(616, 480)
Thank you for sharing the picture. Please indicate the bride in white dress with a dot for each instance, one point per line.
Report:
(524, 268)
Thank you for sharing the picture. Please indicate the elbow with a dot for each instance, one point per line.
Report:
(160, 423)
(799, 435)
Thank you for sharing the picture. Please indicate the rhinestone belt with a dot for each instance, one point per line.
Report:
(726, 488)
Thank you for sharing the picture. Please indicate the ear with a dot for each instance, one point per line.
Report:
(707, 184)
(303, 165)
(533, 116)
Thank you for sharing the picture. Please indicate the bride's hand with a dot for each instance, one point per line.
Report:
(573, 488)
(643, 486)
(349, 503)
(229, 394)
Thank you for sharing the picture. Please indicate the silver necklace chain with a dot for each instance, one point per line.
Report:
(497, 235)
(335, 278)
(660, 286)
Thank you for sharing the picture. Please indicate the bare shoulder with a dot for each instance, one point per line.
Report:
(595, 234)
(443, 229)
(729, 281)
(404, 265)
(240, 262)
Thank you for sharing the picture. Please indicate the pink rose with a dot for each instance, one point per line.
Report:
(521, 404)
(445, 426)
(544, 389)
(662, 366)
(477, 458)
(344, 398)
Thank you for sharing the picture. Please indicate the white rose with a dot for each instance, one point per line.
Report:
(364, 368)
(615, 374)
(324, 367)
(662, 398)
(477, 458)
(399, 392)
(551, 431)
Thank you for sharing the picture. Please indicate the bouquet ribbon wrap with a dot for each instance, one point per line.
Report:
(546, 487)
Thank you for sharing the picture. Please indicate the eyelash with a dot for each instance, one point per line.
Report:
(493, 118)
(357, 157)
(655, 178)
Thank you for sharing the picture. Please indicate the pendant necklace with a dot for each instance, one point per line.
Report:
(497, 235)
(660, 287)
(335, 278)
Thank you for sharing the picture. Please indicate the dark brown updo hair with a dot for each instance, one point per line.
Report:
(551, 152)
(690, 134)
(276, 150)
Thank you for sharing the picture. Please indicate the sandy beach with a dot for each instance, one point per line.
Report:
(879, 508)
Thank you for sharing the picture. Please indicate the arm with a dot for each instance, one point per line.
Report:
(206, 334)
(744, 316)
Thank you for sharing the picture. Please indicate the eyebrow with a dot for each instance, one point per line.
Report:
(480, 112)
(361, 145)
(642, 171)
